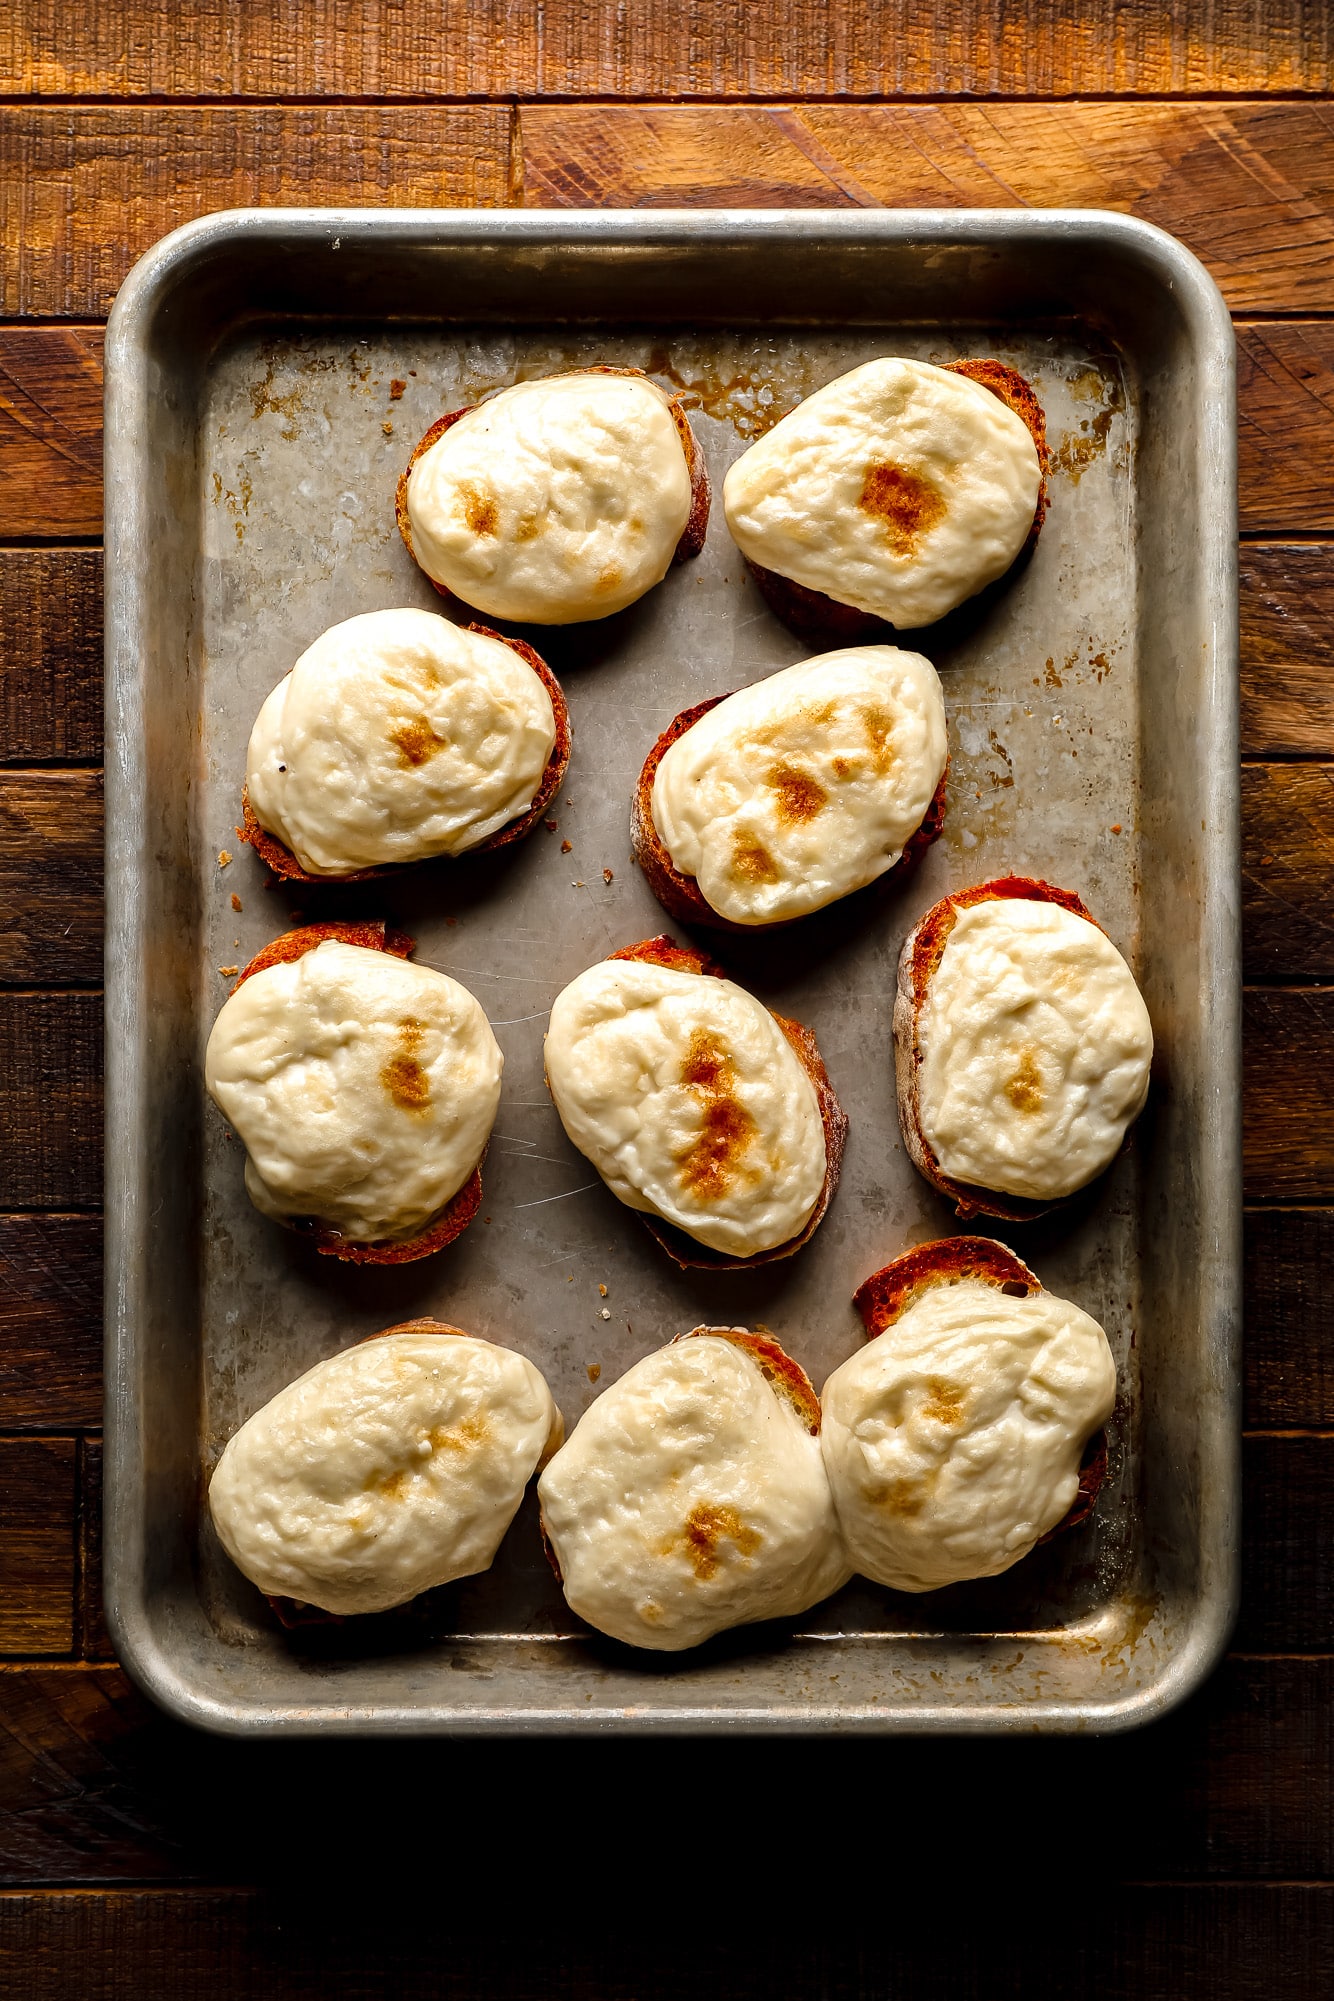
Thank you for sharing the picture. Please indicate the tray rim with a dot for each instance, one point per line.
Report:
(127, 456)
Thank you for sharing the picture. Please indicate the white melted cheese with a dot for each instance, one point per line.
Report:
(690, 1497)
(397, 736)
(900, 488)
(556, 500)
(362, 1087)
(953, 1439)
(1035, 1050)
(384, 1471)
(804, 787)
(690, 1102)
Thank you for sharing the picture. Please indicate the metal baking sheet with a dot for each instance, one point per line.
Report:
(252, 449)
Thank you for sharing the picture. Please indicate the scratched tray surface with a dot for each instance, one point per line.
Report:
(302, 444)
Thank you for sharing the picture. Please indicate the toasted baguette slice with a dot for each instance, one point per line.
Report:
(279, 857)
(918, 960)
(684, 1250)
(461, 1207)
(692, 535)
(823, 621)
(680, 895)
(888, 1293)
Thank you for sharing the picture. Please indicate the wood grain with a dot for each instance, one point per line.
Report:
(83, 193)
(50, 1322)
(51, 430)
(1247, 186)
(1287, 822)
(1287, 649)
(37, 1545)
(1287, 1512)
(50, 1100)
(1285, 440)
(50, 877)
(94, 1641)
(50, 655)
(667, 48)
(1288, 1108)
(1289, 1318)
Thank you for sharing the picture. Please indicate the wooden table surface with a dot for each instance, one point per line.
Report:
(1196, 1857)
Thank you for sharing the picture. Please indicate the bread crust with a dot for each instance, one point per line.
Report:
(823, 621)
(697, 521)
(462, 1206)
(887, 1294)
(277, 856)
(682, 1248)
(681, 896)
(922, 951)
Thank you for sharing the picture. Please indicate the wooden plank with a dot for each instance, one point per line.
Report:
(1285, 392)
(1287, 650)
(38, 1533)
(50, 1100)
(1287, 1516)
(84, 192)
(1287, 1106)
(667, 48)
(1287, 869)
(50, 877)
(50, 1321)
(94, 1641)
(51, 430)
(50, 655)
(1248, 186)
(1289, 1318)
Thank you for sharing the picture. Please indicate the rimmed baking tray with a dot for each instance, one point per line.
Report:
(267, 373)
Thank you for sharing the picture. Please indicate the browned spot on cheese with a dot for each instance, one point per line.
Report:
(607, 580)
(842, 768)
(704, 1528)
(799, 796)
(402, 1076)
(907, 504)
(1024, 1089)
(880, 736)
(479, 510)
(416, 743)
(904, 1497)
(457, 1437)
(945, 1400)
(750, 861)
(709, 1166)
(392, 1485)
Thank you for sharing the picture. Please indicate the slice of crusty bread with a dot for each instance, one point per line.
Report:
(823, 621)
(680, 895)
(697, 521)
(685, 1250)
(279, 857)
(461, 1207)
(888, 1293)
(922, 951)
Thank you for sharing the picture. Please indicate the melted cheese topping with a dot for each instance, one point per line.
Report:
(690, 1498)
(555, 500)
(953, 1439)
(384, 1471)
(690, 1102)
(396, 736)
(362, 1087)
(804, 787)
(1035, 1050)
(900, 488)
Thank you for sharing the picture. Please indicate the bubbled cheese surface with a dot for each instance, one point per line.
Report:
(384, 1471)
(1035, 1050)
(398, 735)
(953, 1439)
(363, 1088)
(554, 501)
(689, 1498)
(690, 1102)
(900, 488)
(804, 787)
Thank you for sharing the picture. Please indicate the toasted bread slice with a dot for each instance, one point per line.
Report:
(918, 960)
(680, 895)
(888, 1293)
(684, 1250)
(697, 522)
(823, 621)
(279, 857)
(462, 1206)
